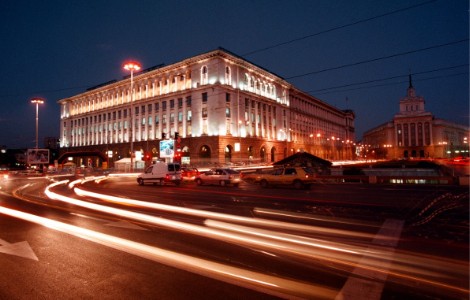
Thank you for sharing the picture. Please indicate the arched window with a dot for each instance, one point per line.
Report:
(204, 151)
(204, 75)
(262, 154)
(228, 153)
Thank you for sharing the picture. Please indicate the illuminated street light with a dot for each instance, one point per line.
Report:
(37, 101)
(132, 66)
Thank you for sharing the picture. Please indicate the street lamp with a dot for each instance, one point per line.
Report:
(132, 66)
(37, 101)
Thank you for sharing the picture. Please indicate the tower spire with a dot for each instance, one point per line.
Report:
(411, 90)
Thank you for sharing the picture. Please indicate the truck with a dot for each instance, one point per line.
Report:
(160, 173)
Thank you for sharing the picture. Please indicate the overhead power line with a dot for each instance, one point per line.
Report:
(339, 27)
(378, 58)
(387, 84)
(385, 79)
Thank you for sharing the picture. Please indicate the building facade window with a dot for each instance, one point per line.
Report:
(204, 75)
(427, 133)
(228, 75)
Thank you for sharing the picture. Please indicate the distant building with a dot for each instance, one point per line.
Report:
(221, 107)
(51, 143)
(415, 133)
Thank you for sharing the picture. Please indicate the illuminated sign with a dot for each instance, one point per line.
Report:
(167, 148)
(37, 156)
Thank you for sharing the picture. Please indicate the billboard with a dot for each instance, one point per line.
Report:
(37, 156)
(167, 148)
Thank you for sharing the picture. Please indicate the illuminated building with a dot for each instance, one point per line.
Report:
(415, 133)
(222, 107)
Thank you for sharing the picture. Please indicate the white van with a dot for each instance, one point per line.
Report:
(161, 173)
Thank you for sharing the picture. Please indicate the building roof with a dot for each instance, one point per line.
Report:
(304, 159)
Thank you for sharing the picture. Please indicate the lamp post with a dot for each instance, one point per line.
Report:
(132, 66)
(37, 101)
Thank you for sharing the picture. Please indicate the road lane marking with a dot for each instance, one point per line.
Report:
(120, 224)
(125, 224)
(357, 286)
(21, 249)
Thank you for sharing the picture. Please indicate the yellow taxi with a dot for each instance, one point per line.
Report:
(297, 177)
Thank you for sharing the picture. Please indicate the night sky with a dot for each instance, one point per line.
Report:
(352, 54)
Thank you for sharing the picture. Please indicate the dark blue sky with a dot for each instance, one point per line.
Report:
(351, 54)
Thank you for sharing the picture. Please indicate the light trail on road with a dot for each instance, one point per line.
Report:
(268, 284)
(220, 216)
(411, 266)
(290, 248)
(309, 217)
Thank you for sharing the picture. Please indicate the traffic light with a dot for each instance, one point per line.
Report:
(176, 135)
(163, 135)
(177, 156)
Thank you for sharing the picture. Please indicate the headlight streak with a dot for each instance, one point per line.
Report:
(225, 217)
(123, 174)
(432, 263)
(293, 215)
(286, 248)
(241, 277)
(375, 255)
(71, 184)
(295, 239)
(194, 229)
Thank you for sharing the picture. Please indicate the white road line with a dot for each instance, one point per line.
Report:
(357, 286)
(125, 224)
(22, 249)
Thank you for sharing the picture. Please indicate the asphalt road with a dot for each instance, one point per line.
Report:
(404, 241)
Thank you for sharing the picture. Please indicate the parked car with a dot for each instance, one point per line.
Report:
(161, 173)
(220, 176)
(298, 177)
(189, 173)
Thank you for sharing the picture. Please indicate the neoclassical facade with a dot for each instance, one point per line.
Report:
(221, 107)
(415, 133)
